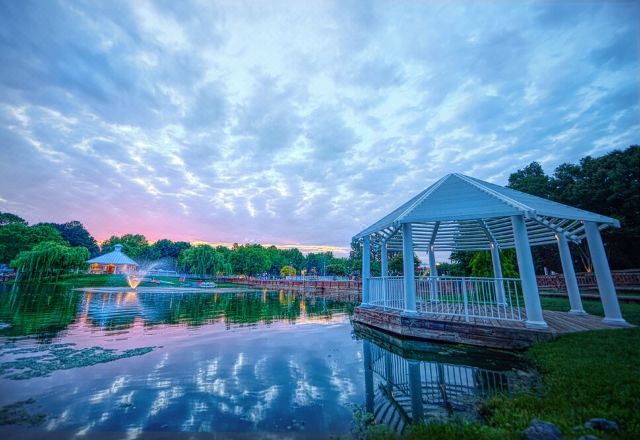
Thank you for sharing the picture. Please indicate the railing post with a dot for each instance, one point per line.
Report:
(465, 299)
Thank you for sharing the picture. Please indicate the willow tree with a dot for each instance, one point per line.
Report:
(203, 260)
(49, 258)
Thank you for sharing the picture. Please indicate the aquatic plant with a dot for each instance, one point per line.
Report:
(56, 357)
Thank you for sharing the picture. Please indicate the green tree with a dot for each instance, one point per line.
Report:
(461, 263)
(288, 271)
(16, 237)
(166, 249)
(396, 264)
(336, 268)
(482, 265)
(203, 260)
(533, 180)
(250, 259)
(76, 235)
(7, 218)
(49, 258)
(293, 257)
(608, 185)
(134, 245)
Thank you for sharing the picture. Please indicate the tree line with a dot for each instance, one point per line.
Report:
(49, 249)
(608, 185)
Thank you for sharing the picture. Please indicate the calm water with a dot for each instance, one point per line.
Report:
(272, 362)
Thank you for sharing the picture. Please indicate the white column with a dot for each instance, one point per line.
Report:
(607, 290)
(433, 269)
(570, 276)
(384, 271)
(527, 274)
(366, 268)
(409, 275)
(433, 272)
(497, 273)
(384, 260)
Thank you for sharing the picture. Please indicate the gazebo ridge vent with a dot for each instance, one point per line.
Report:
(459, 212)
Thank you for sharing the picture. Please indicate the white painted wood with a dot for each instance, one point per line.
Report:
(384, 260)
(570, 276)
(433, 272)
(453, 206)
(409, 275)
(527, 274)
(612, 314)
(497, 273)
(366, 268)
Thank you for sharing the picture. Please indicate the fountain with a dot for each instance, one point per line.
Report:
(134, 278)
(146, 270)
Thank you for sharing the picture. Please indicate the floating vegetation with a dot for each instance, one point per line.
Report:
(17, 414)
(45, 359)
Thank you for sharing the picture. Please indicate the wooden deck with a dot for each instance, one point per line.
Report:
(477, 331)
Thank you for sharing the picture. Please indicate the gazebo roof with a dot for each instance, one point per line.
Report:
(463, 213)
(116, 257)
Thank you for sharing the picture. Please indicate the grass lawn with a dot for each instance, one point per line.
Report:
(584, 375)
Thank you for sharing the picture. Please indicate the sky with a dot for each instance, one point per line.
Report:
(296, 123)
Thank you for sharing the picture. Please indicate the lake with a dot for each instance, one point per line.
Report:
(129, 363)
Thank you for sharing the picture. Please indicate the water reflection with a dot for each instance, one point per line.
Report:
(260, 361)
(44, 311)
(406, 385)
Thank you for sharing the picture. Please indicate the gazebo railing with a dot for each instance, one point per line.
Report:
(470, 297)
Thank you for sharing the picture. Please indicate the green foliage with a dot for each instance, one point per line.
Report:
(76, 235)
(7, 218)
(293, 257)
(533, 180)
(585, 375)
(337, 268)
(32, 311)
(396, 264)
(134, 245)
(461, 263)
(16, 237)
(203, 260)
(49, 258)
(250, 259)
(608, 185)
(166, 249)
(288, 271)
(482, 265)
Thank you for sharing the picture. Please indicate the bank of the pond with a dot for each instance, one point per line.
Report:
(584, 376)
(105, 280)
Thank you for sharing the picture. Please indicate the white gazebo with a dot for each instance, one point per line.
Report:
(462, 213)
(112, 262)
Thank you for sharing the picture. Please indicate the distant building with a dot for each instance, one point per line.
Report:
(113, 262)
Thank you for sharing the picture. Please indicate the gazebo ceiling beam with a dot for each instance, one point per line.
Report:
(488, 233)
(557, 229)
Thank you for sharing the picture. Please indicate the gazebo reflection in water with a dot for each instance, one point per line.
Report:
(400, 390)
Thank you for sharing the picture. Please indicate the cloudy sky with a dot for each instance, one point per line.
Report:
(296, 122)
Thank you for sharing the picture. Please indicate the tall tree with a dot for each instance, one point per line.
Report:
(134, 245)
(49, 258)
(16, 237)
(7, 218)
(76, 235)
(533, 180)
(608, 185)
